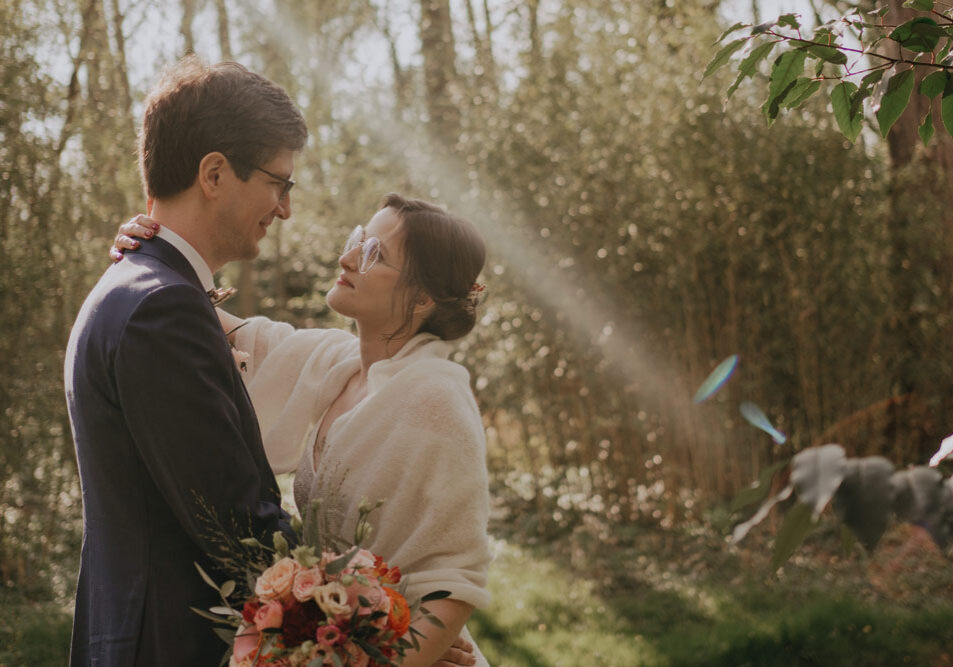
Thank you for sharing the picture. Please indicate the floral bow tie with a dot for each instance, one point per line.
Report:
(219, 295)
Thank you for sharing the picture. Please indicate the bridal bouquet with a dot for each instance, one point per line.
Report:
(313, 606)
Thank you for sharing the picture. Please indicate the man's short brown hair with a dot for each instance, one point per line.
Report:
(198, 109)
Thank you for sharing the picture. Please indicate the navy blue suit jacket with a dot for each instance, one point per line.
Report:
(160, 419)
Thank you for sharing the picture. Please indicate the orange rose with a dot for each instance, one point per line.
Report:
(398, 619)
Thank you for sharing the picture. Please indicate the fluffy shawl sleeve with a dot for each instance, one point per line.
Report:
(292, 376)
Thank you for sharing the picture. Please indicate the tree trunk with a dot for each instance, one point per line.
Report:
(224, 36)
(437, 46)
(185, 29)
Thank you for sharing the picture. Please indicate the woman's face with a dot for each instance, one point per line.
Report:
(374, 299)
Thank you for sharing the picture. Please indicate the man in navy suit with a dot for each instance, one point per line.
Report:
(164, 430)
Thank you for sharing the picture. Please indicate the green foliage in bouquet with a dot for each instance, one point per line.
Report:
(327, 600)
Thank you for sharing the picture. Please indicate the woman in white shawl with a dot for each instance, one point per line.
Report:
(384, 414)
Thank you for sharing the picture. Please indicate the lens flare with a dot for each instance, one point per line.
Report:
(757, 418)
(718, 378)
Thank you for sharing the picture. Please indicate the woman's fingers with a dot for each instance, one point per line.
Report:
(141, 226)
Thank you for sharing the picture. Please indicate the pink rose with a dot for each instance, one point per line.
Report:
(374, 594)
(328, 635)
(305, 583)
(269, 615)
(246, 644)
(275, 583)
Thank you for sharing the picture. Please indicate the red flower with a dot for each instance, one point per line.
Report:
(250, 609)
(300, 623)
(387, 575)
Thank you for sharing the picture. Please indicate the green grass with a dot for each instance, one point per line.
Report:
(32, 633)
(629, 606)
(650, 598)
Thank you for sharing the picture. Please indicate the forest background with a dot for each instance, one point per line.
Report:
(639, 233)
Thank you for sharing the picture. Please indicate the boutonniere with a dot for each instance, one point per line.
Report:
(218, 295)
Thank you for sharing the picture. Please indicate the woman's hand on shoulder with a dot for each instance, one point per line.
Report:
(139, 227)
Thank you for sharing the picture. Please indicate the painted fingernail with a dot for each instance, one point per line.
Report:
(148, 233)
(155, 226)
(135, 244)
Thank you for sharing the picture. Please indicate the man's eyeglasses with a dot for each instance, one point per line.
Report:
(287, 182)
(370, 250)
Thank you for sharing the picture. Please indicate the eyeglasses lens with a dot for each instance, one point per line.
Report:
(369, 253)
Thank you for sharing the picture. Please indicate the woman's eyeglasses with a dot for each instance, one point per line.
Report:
(370, 252)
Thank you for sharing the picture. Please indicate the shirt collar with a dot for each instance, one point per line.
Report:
(199, 265)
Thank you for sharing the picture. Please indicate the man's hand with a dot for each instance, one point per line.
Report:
(459, 653)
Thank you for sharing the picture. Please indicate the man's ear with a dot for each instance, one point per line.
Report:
(212, 169)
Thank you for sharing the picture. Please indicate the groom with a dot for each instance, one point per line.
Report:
(164, 430)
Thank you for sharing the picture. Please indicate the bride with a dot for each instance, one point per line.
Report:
(385, 414)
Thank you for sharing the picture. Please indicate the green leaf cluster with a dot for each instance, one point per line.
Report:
(922, 35)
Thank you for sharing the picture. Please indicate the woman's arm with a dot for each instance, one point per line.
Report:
(453, 614)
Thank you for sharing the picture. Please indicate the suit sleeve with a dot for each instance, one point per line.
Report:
(177, 388)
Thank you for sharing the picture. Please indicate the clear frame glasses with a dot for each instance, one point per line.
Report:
(370, 250)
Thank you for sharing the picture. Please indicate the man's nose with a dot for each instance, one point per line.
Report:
(283, 209)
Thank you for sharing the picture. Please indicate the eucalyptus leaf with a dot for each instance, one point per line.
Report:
(895, 100)
(816, 473)
(849, 123)
(723, 56)
(227, 588)
(207, 579)
(864, 498)
(435, 595)
(224, 611)
(206, 615)
(919, 5)
(798, 523)
(742, 529)
(341, 562)
(225, 634)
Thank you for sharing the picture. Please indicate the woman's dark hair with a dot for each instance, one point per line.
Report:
(443, 255)
(197, 109)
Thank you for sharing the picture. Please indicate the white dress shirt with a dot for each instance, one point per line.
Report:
(199, 265)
